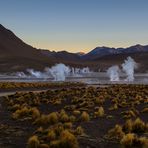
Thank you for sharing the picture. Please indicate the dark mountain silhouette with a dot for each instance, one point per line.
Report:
(61, 55)
(15, 55)
(104, 51)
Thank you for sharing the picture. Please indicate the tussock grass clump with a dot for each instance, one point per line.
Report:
(58, 129)
(65, 140)
(26, 112)
(114, 107)
(100, 100)
(116, 132)
(68, 140)
(35, 112)
(53, 118)
(33, 142)
(68, 125)
(132, 140)
(84, 116)
(42, 120)
(129, 114)
(144, 142)
(128, 139)
(51, 135)
(79, 130)
(138, 126)
(128, 126)
(64, 118)
(20, 113)
(100, 112)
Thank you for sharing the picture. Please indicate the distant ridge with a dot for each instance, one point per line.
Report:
(103, 51)
(15, 55)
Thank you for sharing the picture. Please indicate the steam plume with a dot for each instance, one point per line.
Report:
(113, 73)
(128, 67)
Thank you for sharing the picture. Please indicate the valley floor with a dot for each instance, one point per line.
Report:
(120, 103)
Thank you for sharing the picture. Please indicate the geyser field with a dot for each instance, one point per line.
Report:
(116, 74)
(67, 107)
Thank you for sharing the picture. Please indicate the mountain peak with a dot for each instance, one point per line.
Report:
(1, 26)
(136, 46)
(80, 53)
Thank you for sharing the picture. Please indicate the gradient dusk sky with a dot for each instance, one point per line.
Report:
(77, 25)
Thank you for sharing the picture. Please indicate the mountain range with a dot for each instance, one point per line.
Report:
(15, 55)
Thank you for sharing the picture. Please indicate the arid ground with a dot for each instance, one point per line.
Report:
(75, 116)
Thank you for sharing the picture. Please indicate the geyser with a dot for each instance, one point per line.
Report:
(36, 74)
(21, 75)
(79, 72)
(113, 73)
(128, 67)
(59, 72)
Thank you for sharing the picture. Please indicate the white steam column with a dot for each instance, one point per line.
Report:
(128, 67)
(113, 73)
(59, 72)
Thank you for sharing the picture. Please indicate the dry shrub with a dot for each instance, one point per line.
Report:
(79, 130)
(85, 116)
(128, 139)
(53, 118)
(128, 126)
(26, 112)
(35, 112)
(20, 113)
(138, 126)
(33, 142)
(116, 132)
(68, 125)
(68, 140)
(51, 135)
(132, 140)
(100, 112)
(58, 129)
(42, 120)
(100, 100)
(64, 118)
(114, 107)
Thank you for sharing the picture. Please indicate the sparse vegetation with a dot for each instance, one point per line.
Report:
(100, 112)
(33, 142)
(85, 116)
(59, 118)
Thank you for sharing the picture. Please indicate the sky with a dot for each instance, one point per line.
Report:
(77, 25)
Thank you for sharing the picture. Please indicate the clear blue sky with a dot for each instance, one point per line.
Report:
(77, 25)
